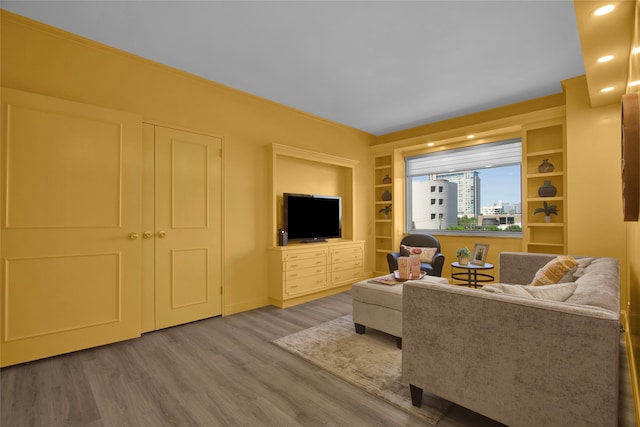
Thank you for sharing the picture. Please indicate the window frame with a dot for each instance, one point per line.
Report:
(479, 233)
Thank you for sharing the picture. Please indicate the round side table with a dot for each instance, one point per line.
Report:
(471, 274)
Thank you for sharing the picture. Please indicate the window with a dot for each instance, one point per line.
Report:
(479, 189)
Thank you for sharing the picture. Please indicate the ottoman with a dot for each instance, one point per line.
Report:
(379, 306)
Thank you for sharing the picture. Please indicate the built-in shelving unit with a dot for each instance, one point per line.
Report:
(383, 223)
(299, 272)
(544, 141)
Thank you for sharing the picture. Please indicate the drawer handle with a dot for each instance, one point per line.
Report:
(294, 274)
(294, 265)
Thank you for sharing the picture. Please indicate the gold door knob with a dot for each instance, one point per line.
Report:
(147, 235)
(133, 236)
(162, 234)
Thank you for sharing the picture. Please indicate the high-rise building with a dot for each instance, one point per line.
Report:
(468, 184)
(434, 204)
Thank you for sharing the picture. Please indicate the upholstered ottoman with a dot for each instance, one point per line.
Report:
(379, 306)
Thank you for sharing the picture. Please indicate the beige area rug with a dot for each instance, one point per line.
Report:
(370, 361)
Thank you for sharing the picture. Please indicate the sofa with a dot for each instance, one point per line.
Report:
(520, 360)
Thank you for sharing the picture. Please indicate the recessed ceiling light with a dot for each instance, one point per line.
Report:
(605, 58)
(431, 144)
(635, 50)
(606, 89)
(635, 83)
(471, 136)
(604, 10)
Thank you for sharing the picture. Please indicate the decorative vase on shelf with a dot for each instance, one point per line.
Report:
(547, 190)
(546, 166)
(386, 196)
(386, 179)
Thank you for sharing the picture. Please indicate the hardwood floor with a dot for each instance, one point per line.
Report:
(216, 372)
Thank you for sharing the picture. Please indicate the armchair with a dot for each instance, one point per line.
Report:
(433, 268)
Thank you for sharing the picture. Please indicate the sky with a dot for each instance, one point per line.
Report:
(500, 184)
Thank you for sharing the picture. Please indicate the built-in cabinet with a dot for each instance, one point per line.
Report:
(383, 210)
(301, 270)
(544, 142)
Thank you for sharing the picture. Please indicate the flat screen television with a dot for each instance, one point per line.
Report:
(312, 218)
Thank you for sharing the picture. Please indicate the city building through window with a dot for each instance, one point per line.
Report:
(479, 189)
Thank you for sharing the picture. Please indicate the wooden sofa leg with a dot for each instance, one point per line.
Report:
(399, 342)
(416, 395)
(360, 328)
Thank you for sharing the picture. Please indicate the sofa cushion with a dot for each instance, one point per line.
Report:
(558, 292)
(426, 254)
(553, 271)
(576, 271)
(599, 285)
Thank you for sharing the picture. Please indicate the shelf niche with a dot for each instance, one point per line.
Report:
(295, 170)
(544, 141)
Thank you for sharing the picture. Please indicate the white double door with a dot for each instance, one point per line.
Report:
(91, 253)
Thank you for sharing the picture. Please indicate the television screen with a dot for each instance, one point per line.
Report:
(312, 218)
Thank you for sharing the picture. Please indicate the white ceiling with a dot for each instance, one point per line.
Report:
(378, 66)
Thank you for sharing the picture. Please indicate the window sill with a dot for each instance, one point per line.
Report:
(492, 234)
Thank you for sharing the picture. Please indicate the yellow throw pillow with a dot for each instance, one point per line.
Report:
(553, 271)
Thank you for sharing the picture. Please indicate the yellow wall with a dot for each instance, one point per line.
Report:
(449, 245)
(594, 184)
(48, 61)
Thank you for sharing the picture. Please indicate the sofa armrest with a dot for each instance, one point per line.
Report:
(525, 362)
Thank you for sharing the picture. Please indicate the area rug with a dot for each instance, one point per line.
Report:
(371, 361)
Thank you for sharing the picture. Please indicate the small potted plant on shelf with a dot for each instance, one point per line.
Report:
(386, 211)
(463, 255)
(548, 210)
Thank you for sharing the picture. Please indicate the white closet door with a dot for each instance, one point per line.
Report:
(70, 241)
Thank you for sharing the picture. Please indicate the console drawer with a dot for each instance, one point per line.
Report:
(348, 275)
(346, 265)
(294, 256)
(305, 284)
(305, 272)
(304, 263)
(346, 254)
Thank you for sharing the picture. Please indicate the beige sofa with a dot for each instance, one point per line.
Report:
(520, 361)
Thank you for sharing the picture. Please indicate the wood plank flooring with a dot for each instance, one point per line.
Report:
(216, 372)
